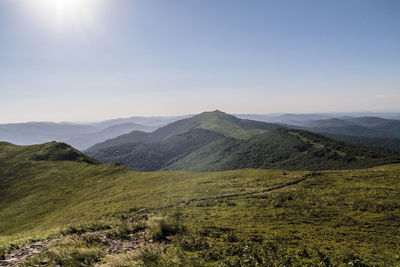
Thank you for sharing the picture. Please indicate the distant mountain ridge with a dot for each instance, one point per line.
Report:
(380, 128)
(219, 141)
(362, 126)
(81, 136)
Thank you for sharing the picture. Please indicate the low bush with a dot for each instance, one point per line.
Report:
(192, 242)
(169, 226)
(84, 228)
(125, 231)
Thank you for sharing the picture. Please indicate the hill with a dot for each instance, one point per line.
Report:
(214, 141)
(71, 211)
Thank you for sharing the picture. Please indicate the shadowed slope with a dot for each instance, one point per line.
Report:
(215, 140)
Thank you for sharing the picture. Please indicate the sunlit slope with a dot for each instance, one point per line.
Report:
(42, 194)
(339, 213)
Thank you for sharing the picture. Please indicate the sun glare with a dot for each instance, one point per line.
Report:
(65, 13)
(67, 6)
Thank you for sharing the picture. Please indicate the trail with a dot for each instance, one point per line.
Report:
(267, 190)
(113, 246)
(16, 257)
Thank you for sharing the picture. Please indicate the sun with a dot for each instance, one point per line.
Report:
(66, 13)
(68, 6)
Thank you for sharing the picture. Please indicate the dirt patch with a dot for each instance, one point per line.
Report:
(110, 244)
(18, 256)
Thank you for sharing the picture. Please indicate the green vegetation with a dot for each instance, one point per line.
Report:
(215, 141)
(216, 121)
(247, 217)
(383, 142)
(72, 251)
(363, 126)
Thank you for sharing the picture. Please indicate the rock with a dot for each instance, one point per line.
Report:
(44, 261)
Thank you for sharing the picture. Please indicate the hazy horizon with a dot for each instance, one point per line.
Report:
(92, 60)
(366, 113)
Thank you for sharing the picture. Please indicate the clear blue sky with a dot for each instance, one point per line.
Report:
(116, 58)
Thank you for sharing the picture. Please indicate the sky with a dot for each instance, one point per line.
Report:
(85, 60)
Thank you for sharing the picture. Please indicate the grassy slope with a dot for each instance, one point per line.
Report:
(337, 212)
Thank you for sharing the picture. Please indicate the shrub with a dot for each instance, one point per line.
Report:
(3, 253)
(149, 257)
(124, 231)
(84, 228)
(169, 226)
(193, 243)
(231, 237)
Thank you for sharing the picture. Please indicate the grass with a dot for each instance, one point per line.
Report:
(72, 251)
(227, 218)
(343, 214)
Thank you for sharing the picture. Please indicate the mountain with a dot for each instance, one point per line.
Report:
(304, 119)
(215, 121)
(383, 142)
(85, 140)
(288, 118)
(39, 132)
(58, 207)
(214, 141)
(361, 126)
(80, 136)
(155, 121)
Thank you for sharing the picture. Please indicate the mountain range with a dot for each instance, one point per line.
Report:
(79, 135)
(374, 129)
(219, 141)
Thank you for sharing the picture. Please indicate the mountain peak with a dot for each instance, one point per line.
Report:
(57, 151)
(216, 114)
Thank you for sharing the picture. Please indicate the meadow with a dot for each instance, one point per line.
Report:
(243, 217)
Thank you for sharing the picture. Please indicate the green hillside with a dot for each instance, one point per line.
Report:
(382, 142)
(248, 217)
(216, 121)
(284, 149)
(215, 141)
